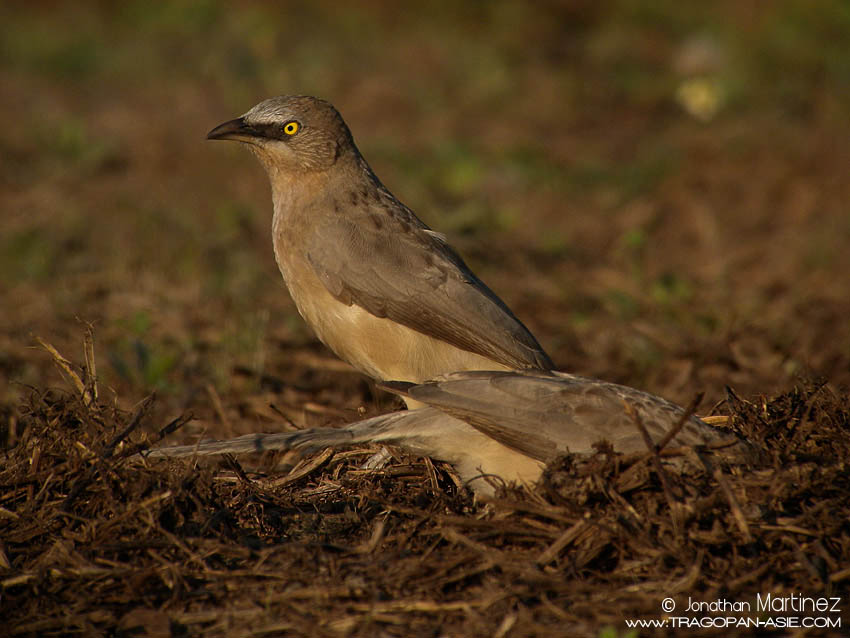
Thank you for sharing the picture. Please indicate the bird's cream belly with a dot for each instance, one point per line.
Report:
(489, 460)
(380, 347)
(492, 459)
(477, 457)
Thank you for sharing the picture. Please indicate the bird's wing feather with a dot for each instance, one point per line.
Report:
(543, 415)
(391, 265)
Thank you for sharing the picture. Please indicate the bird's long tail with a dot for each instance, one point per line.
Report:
(396, 427)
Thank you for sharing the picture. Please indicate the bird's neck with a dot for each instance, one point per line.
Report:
(293, 193)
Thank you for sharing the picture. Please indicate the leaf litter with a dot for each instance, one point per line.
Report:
(96, 540)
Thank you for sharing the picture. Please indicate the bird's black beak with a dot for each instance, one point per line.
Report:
(236, 129)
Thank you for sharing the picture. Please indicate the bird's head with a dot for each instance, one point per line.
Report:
(290, 133)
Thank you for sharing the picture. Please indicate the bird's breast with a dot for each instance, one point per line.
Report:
(377, 346)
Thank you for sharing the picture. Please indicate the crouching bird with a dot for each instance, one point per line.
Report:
(495, 424)
(377, 286)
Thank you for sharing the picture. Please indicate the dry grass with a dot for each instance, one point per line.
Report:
(97, 541)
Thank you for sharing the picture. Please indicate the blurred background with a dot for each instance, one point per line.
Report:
(658, 189)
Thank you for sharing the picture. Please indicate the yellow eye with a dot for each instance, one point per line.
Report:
(291, 128)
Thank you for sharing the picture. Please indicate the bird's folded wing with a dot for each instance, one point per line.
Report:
(543, 415)
(394, 267)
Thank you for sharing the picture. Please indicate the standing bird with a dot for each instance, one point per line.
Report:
(382, 290)
(497, 424)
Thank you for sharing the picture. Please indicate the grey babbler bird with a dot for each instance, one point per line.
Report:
(495, 424)
(382, 290)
